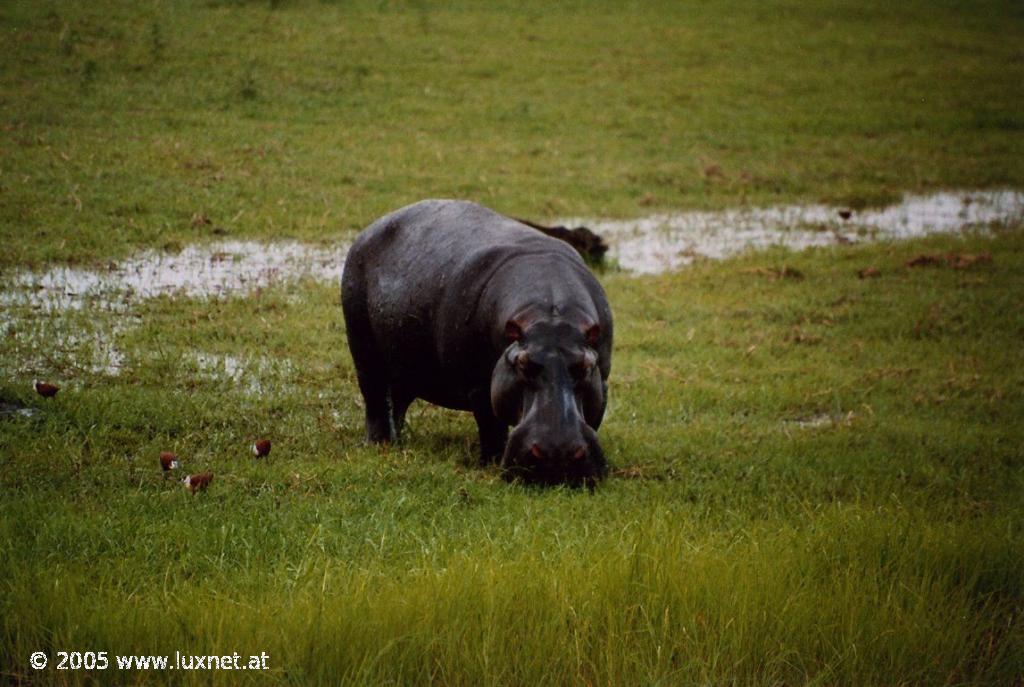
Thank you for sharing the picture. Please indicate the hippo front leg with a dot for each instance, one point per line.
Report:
(596, 424)
(493, 432)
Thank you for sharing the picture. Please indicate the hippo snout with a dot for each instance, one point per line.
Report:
(537, 459)
(564, 453)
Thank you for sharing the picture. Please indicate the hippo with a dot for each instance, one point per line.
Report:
(453, 303)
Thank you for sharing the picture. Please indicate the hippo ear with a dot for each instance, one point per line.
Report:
(513, 331)
(592, 332)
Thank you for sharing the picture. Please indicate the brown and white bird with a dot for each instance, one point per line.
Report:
(169, 461)
(261, 448)
(198, 482)
(45, 389)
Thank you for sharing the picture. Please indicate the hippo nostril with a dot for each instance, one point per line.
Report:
(537, 453)
(579, 453)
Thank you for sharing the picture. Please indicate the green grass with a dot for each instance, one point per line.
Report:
(121, 121)
(732, 546)
(734, 543)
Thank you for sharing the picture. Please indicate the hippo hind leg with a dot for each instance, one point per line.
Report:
(400, 400)
(385, 417)
(371, 370)
(373, 385)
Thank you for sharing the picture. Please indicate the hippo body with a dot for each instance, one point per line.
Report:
(452, 303)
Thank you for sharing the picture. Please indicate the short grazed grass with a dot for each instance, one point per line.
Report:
(126, 124)
(818, 478)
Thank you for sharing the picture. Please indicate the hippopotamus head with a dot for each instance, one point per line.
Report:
(547, 385)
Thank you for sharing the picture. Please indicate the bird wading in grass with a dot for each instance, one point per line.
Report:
(197, 482)
(169, 462)
(261, 448)
(45, 389)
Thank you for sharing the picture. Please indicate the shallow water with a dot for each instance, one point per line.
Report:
(647, 245)
(76, 342)
(69, 318)
(216, 269)
(665, 242)
(48, 314)
(254, 375)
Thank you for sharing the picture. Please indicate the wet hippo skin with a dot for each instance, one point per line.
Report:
(451, 302)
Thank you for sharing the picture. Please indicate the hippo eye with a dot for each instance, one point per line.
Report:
(525, 366)
(580, 370)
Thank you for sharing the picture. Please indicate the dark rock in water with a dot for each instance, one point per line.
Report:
(589, 245)
(10, 409)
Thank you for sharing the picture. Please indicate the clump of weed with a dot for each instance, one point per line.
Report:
(247, 88)
(865, 199)
(360, 72)
(67, 41)
(88, 74)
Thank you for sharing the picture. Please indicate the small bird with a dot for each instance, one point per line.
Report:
(261, 448)
(845, 214)
(45, 389)
(169, 461)
(198, 482)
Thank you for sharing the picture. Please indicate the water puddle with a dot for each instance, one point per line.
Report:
(72, 343)
(666, 242)
(13, 409)
(254, 375)
(52, 318)
(65, 321)
(820, 420)
(218, 269)
(646, 245)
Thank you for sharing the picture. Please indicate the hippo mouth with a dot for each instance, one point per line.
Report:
(520, 464)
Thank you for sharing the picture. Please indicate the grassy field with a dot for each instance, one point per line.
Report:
(122, 121)
(819, 479)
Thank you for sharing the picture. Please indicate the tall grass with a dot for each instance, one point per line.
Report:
(731, 545)
(856, 595)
